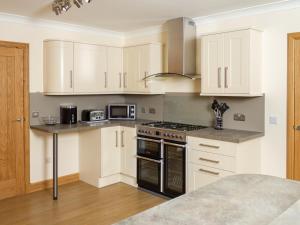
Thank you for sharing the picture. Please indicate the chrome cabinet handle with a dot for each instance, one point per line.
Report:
(145, 80)
(120, 80)
(219, 77)
(148, 139)
(226, 74)
(117, 139)
(151, 160)
(124, 80)
(209, 146)
(173, 144)
(71, 79)
(105, 77)
(209, 160)
(122, 139)
(209, 172)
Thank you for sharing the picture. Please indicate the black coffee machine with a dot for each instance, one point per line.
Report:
(68, 114)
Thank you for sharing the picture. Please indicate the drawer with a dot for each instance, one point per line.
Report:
(212, 146)
(212, 160)
(199, 176)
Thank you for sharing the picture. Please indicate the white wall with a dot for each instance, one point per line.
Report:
(276, 25)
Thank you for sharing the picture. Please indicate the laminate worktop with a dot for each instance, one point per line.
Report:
(235, 200)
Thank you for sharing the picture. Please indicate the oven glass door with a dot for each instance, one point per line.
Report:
(149, 174)
(148, 147)
(174, 169)
(118, 112)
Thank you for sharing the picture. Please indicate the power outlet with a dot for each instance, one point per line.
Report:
(239, 117)
(35, 114)
(152, 110)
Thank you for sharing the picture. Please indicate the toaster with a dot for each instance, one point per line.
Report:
(89, 115)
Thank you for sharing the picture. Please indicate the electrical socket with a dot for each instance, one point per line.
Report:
(239, 117)
(152, 110)
(35, 114)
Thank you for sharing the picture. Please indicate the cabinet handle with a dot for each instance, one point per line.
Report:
(71, 79)
(117, 139)
(122, 139)
(219, 77)
(146, 86)
(226, 73)
(209, 160)
(120, 80)
(209, 146)
(105, 76)
(209, 172)
(124, 80)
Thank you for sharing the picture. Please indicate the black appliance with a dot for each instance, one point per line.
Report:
(161, 157)
(121, 112)
(68, 114)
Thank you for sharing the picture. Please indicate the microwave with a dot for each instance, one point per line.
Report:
(121, 112)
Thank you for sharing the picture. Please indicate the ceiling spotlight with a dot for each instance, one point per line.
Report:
(66, 5)
(88, 1)
(78, 3)
(56, 9)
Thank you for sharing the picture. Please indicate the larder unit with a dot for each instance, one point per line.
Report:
(231, 63)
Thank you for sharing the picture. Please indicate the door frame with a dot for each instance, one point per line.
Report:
(25, 48)
(291, 105)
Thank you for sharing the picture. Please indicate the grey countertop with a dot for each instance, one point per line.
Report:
(235, 136)
(228, 135)
(234, 200)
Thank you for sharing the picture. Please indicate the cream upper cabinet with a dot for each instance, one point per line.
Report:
(110, 151)
(231, 63)
(90, 69)
(58, 67)
(128, 151)
(114, 69)
(131, 69)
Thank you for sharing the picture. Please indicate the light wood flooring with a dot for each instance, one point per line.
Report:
(78, 204)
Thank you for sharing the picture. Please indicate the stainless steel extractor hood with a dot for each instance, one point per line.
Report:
(181, 49)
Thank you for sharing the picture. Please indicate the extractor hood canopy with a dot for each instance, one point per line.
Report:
(181, 49)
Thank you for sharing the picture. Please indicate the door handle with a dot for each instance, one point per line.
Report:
(117, 139)
(219, 77)
(209, 172)
(146, 86)
(71, 79)
(226, 74)
(124, 80)
(209, 160)
(19, 120)
(105, 76)
(120, 80)
(209, 146)
(122, 139)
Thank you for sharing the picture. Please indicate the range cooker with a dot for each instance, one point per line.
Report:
(161, 157)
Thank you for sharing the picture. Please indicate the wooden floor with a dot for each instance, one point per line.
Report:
(78, 204)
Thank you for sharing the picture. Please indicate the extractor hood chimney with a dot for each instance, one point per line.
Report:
(181, 49)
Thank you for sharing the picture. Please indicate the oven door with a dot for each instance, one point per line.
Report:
(174, 169)
(150, 148)
(118, 112)
(149, 174)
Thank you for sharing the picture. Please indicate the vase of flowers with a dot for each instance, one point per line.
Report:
(219, 110)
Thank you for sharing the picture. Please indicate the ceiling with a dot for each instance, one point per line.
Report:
(126, 15)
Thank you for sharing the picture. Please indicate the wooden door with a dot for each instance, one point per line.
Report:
(114, 69)
(110, 151)
(12, 141)
(236, 62)
(293, 123)
(90, 73)
(212, 48)
(58, 67)
(128, 154)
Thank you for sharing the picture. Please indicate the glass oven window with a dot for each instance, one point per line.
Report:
(174, 169)
(149, 175)
(119, 112)
(149, 149)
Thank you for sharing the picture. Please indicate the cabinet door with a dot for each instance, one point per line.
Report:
(144, 68)
(89, 68)
(236, 62)
(128, 152)
(131, 69)
(110, 151)
(199, 176)
(114, 69)
(212, 64)
(58, 67)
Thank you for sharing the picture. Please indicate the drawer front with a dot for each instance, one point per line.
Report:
(212, 160)
(199, 176)
(212, 146)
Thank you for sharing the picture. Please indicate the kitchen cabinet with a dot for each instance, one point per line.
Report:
(58, 67)
(131, 70)
(107, 156)
(210, 160)
(231, 63)
(114, 69)
(90, 69)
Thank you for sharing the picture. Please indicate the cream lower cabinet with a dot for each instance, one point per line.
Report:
(231, 63)
(107, 156)
(210, 160)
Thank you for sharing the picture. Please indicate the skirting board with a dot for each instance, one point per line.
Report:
(42, 185)
(113, 179)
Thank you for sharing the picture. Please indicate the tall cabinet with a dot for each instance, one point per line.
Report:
(231, 63)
